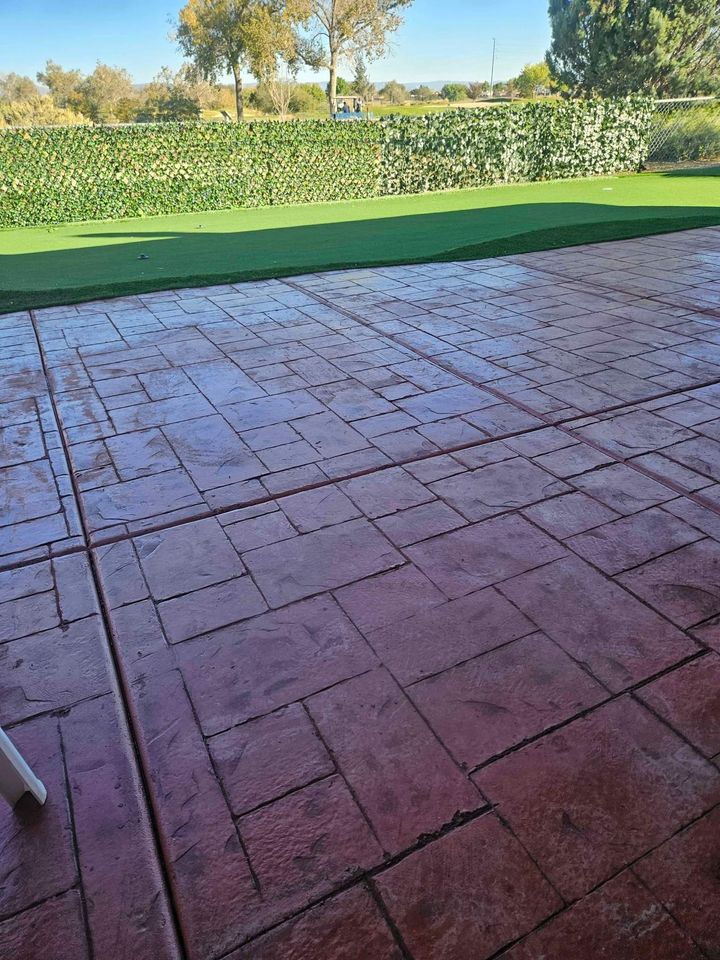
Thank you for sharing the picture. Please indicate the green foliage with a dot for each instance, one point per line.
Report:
(62, 84)
(454, 92)
(394, 92)
(14, 87)
(37, 111)
(615, 47)
(362, 85)
(476, 91)
(423, 94)
(54, 175)
(533, 141)
(308, 98)
(534, 78)
(173, 106)
(227, 36)
(301, 98)
(260, 99)
(346, 29)
(173, 96)
(343, 87)
(101, 91)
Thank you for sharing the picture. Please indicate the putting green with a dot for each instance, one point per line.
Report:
(41, 266)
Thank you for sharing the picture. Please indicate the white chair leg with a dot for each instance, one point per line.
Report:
(16, 777)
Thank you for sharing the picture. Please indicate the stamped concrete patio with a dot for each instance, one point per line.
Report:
(369, 616)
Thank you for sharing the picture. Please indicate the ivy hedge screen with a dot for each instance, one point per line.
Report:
(58, 174)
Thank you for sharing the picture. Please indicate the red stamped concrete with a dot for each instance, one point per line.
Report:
(683, 875)
(368, 616)
(467, 894)
(620, 921)
(597, 778)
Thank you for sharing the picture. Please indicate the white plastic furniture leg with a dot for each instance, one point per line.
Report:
(16, 777)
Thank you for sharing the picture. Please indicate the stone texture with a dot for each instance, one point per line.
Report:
(688, 698)
(619, 639)
(320, 561)
(391, 760)
(683, 875)
(607, 925)
(303, 845)
(346, 927)
(439, 638)
(578, 799)
(684, 586)
(498, 488)
(267, 758)
(246, 671)
(614, 547)
(395, 462)
(466, 894)
(54, 930)
(491, 703)
(467, 560)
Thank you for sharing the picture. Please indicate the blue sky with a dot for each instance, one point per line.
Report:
(441, 39)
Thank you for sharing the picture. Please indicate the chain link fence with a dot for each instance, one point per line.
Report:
(685, 131)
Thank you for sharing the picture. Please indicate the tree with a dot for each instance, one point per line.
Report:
(423, 94)
(394, 92)
(308, 98)
(362, 84)
(170, 96)
(616, 47)
(130, 110)
(210, 96)
(62, 84)
(534, 77)
(14, 87)
(37, 111)
(342, 29)
(476, 91)
(102, 90)
(228, 36)
(281, 88)
(453, 92)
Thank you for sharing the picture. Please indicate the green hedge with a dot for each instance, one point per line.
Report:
(534, 141)
(58, 174)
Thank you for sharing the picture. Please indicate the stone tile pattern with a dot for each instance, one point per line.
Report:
(411, 577)
(38, 513)
(79, 876)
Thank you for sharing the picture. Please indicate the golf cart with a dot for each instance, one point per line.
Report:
(347, 108)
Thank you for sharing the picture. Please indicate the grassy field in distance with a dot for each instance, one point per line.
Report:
(377, 109)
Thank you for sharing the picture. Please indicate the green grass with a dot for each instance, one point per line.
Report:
(42, 266)
(420, 109)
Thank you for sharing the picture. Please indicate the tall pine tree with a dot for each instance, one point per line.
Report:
(613, 47)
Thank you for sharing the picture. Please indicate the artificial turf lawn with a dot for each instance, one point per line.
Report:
(41, 266)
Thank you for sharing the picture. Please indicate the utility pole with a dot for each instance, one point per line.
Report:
(492, 71)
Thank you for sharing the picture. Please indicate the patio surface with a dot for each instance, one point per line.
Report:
(370, 615)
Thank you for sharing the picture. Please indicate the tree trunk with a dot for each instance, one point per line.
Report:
(239, 103)
(332, 86)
